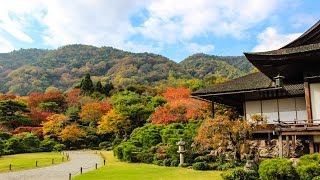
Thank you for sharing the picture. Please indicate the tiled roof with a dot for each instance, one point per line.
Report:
(285, 51)
(253, 81)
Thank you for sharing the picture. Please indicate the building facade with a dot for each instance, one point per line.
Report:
(286, 92)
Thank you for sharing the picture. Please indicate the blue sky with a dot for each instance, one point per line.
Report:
(173, 28)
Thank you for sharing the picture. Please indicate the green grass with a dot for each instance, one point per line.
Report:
(115, 169)
(28, 160)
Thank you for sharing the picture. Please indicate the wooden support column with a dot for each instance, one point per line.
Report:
(311, 145)
(308, 101)
(269, 139)
(293, 142)
(280, 149)
(288, 146)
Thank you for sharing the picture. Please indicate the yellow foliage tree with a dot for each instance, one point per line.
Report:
(113, 122)
(92, 112)
(54, 125)
(72, 133)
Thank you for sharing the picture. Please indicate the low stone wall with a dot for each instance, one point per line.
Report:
(263, 149)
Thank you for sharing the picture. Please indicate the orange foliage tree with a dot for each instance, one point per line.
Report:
(72, 133)
(222, 132)
(73, 97)
(93, 111)
(53, 96)
(179, 108)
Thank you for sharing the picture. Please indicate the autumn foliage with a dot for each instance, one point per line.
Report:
(222, 132)
(180, 107)
(53, 96)
(37, 131)
(92, 112)
(113, 122)
(72, 133)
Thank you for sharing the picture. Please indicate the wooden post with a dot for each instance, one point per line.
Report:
(308, 101)
(311, 145)
(280, 145)
(288, 146)
(293, 142)
(10, 167)
(104, 162)
(80, 170)
(36, 163)
(52, 161)
(69, 176)
(269, 139)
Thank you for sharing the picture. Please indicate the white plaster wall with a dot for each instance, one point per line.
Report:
(315, 100)
(290, 109)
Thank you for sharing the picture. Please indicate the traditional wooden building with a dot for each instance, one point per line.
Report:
(286, 91)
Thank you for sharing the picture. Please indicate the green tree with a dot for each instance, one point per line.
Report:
(12, 114)
(137, 107)
(86, 85)
(99, 87)
(107, 88)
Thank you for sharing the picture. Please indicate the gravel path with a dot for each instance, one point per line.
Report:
(57, 172)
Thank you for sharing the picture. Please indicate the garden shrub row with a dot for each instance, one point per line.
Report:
(308, 168)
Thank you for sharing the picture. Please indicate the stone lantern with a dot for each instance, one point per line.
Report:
(181, 151)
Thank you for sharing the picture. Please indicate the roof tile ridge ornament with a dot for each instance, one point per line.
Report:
(279, 80)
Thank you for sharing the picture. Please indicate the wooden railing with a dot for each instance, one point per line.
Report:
(298, 124)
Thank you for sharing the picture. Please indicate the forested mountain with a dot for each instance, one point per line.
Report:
(202, 65)
(34, 70)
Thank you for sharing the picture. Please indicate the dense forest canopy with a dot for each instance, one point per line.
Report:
(34, 70)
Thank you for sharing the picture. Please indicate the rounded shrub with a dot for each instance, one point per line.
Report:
(175, 163)
(59, 147)
(105, 144)
(185, 165)
(226, 166)
(200, 166)
(240, 174)
(307, 172)
(277, 169)
(167, 162)
(159, 162)
(214, 166)
(316, 178)
(309, 158)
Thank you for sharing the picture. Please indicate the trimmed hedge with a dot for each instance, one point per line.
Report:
(200, 166)
(240, 174)
(277, 169)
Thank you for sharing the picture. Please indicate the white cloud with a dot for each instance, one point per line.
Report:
(198, 48)
(15, 17)
(271, 39)
(108, 23)
(172, 21)
(5, 46)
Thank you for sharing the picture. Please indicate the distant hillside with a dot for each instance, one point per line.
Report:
(34, 70)
(201, 65)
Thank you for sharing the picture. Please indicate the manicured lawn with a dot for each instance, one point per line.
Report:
(28, 160)
(117, 170)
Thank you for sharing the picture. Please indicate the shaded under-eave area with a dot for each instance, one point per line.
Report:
(251, 87)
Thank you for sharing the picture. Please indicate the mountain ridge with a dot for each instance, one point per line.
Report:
(33, 70)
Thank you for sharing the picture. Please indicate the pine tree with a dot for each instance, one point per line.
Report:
(107, 88)
(99, 87)
(87, 85)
